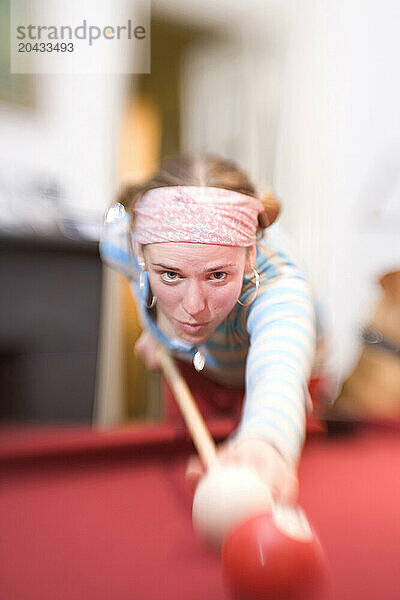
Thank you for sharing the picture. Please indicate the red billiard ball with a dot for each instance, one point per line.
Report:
(274, 556)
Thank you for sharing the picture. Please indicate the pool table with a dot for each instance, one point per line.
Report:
(87, 514)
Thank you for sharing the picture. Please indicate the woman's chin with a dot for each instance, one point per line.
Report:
(192, 338)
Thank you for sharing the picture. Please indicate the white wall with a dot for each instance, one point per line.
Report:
(338, 155)
(229, 103)
(71, 135)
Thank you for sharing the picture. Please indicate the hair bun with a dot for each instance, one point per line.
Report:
(271, 210)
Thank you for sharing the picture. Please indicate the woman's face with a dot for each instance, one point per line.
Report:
(196, 285)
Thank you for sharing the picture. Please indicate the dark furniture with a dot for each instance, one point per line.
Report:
(49, 323)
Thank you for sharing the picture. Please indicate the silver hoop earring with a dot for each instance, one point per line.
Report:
(256, 284)
(142, 288)
(152, 303)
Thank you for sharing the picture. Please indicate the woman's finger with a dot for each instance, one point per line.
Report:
(145, 348)
(289, 492)
(194, 472)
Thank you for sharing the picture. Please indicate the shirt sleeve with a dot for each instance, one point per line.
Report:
(114, 246)
(116, 252)
(281, 325)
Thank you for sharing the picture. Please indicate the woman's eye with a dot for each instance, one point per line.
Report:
(218, 275)
(169, 276)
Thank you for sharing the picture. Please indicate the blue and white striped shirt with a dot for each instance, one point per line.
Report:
(268, 345)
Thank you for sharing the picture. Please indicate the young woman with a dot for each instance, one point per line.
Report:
(214, 287)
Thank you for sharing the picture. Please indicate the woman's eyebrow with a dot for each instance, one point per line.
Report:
(165, 267)
(220, 267)
(210, 270)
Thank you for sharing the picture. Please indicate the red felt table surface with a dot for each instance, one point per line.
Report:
(106, 515)
(350, 488)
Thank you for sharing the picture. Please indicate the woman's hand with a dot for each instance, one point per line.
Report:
(280, 476)
(145, 349)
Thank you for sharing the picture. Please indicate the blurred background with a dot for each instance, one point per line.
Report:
(304, 95)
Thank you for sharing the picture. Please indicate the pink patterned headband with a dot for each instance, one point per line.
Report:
(205, 215)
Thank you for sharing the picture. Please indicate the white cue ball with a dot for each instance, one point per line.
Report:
(225, 496)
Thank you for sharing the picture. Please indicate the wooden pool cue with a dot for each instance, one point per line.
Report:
(200, 435)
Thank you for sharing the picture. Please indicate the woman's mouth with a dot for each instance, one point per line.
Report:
(192, 327)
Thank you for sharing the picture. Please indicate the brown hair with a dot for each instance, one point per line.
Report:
(208, 170)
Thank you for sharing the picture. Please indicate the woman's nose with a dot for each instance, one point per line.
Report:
(195, 300)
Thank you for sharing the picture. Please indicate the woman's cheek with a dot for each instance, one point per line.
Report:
(166, 295)
(224, 300)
